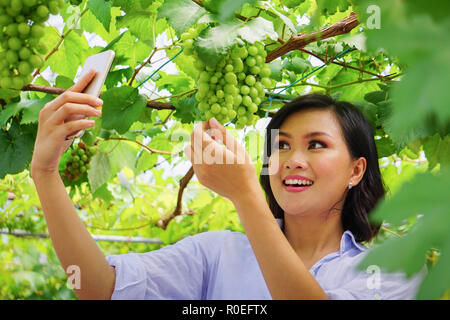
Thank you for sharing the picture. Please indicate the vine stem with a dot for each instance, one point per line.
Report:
(299, 41)
(142, 65)
(142, 145)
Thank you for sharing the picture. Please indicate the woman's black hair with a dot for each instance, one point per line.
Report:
(358, 135)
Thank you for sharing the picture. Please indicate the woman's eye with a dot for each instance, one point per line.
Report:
(317, 142)
(280, 144)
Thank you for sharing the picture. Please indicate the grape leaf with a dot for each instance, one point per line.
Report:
(100, 171)
(17, 148)
(121, 108)
(102, 11)
(227, 8)
(212, 44)
(258, 29)
(437, 150)
(186, 110)
(425, 194)
(180, 14)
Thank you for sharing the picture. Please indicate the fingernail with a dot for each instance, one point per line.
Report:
(99, 101)
(215, 123)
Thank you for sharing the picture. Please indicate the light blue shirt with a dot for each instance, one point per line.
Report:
(221, 265)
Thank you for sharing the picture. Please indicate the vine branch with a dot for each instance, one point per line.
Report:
(299, 41)
(177, 211)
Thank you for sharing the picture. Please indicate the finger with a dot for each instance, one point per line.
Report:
(84, 81)
(68, 109)
(188, 153)
(72, 127)
(227, 138)
(73, 97)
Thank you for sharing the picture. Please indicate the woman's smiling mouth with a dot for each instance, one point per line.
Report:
(296, 183)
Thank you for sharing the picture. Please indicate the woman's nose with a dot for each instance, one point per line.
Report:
(295, 161)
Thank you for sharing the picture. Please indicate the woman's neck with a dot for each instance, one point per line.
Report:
(313, 236)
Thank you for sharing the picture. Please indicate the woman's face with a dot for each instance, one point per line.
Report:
(321, 158)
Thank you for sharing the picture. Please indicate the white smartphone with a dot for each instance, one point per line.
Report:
(101, 62)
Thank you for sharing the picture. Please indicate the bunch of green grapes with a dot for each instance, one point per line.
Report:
(79, 161)
(234, 88)
(21, 31)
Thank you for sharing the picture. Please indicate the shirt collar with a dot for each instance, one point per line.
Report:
(348, 240)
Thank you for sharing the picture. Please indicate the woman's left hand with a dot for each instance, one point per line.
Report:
(225, 169)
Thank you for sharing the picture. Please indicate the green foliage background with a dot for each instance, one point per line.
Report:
(396, 74)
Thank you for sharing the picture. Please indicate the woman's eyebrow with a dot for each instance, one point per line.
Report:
(306, 136)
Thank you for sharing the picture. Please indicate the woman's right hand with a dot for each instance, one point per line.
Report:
(55, 124)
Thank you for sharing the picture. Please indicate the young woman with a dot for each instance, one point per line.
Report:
(300, 242)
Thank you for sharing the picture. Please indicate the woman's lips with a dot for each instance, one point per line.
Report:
(295, 189)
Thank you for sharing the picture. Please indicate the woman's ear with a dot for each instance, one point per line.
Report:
(359, 167)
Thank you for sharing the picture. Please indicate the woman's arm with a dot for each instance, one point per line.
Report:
(235, 178)
(284, 272)
(72, 242)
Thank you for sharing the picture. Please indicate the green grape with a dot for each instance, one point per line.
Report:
(232, 114)
(14, 43)
(247, 101)
(24, 67)
(231, 78)
(252, 50)
(259, 60)
(36, 61)
(5, 82)
(23, 28)
(265, 71)
(17, 82)
(229, 98)
(255, 69)
(237, 100)
(250, 61)
(214, 79)
(5, 20)
(16, 5)
(245, 90)
(266, 82)
(53, 7)
(224, 110)
(12, 57)
(229, 68)
(243, 52)
(37, 31)
(215, 108)
(188, 44)
(42, 11)
(203, 106)
(12, 30)
(220, 94)
(29, 3)
(253, 108)
(250, 80)
(254, 93)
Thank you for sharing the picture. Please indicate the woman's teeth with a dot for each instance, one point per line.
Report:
(297, 182)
